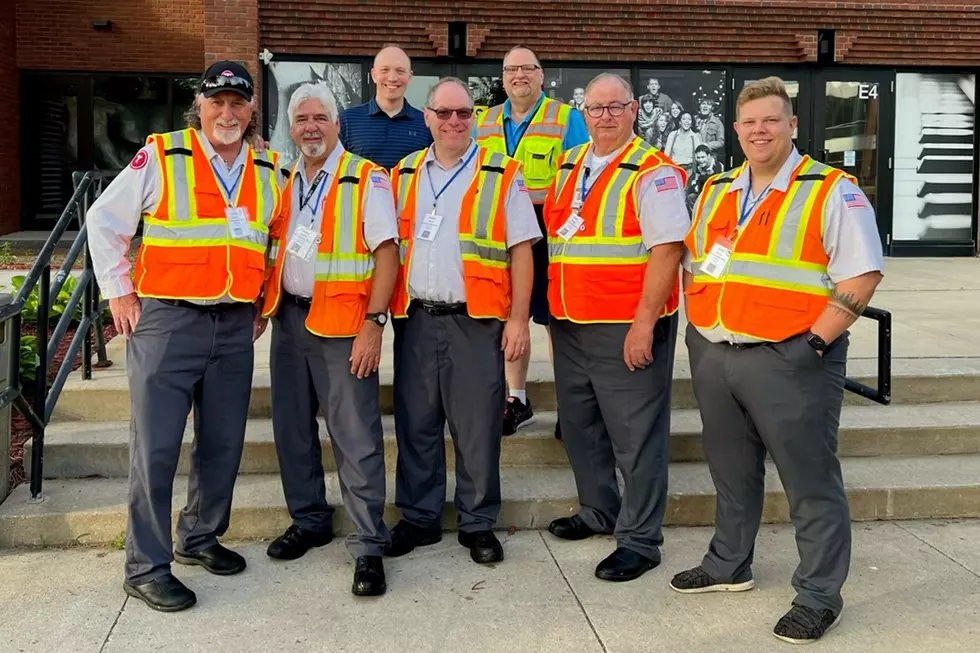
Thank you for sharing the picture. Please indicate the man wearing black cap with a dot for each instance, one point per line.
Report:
(206, 199)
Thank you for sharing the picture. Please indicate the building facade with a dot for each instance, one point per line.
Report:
(884, 90)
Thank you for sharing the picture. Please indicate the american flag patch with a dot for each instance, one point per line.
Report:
(854, 201)
(520, 186)
(666, 183)
(380, 180)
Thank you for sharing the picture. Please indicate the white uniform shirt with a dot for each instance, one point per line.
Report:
(662, 209)
(114, 217)
(437, 267)
(850, 234)
(380, 223)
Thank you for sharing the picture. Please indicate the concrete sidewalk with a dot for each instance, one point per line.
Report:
(914, 586)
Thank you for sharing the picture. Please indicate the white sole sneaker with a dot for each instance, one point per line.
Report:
(791, 640)
(717, 587)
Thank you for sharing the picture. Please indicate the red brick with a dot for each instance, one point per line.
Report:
(9, 122)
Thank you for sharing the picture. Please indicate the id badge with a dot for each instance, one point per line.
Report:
(237, 222)
(571, 227)
(429, 227)
(716, 262)
(303, 242)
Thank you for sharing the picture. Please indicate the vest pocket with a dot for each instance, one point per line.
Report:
(338, 308)
(538, 164)
(487, 290)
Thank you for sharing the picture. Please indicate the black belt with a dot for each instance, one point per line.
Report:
(439, 308)
(303, 302)
(746, 345)
(210, 308)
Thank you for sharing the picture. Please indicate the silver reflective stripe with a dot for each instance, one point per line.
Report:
(402, 251)
(488, 125)
(544, 129)
(622, 178)
(716, 192)
(412, 162)
(345, 263)
(780, 274)
(330, 266)
(488, 190)
(273, 253)
(793, 221)
(178, 181)
(177, 232)
(560, 249)
(346, 211)
(266, 179)
(571, 157)
(538, 195)
(469, 247)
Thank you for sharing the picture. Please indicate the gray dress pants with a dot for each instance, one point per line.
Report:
(177, 357)
(448, 368)
(311, 373)
(612, 417)
(784, 399)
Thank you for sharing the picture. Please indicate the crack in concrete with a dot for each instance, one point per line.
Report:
(938, 550)
(581, 607)
(122, 607)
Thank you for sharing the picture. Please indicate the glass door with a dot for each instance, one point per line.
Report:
(798, 86)
(849, 132)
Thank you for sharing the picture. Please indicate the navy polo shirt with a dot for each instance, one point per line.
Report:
(367, 131)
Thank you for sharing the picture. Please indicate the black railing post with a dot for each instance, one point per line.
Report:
(41, 378)
(89, 299)
(885, 356)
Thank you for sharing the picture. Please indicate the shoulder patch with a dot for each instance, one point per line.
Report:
(854, 201)
(139, 161)
(380, 180)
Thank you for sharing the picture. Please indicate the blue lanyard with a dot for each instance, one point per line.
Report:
(435, 195)
(585, 193)
(316, 182)
(229, 192)
(748, 210)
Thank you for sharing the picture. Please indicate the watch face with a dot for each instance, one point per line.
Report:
(382, 319)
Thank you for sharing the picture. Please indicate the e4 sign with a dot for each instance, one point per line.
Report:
(868, 91)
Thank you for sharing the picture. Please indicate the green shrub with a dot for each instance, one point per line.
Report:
(58, 305)
(29, 358)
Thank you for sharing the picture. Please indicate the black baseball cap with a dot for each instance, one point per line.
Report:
(227, 76)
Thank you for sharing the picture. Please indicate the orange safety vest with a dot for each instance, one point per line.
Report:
(539, 148)
(597, 275)
(187, 250)
(482, 233)
(776, 284)
(344, 265)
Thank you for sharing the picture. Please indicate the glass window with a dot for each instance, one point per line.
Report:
(125, 110)
(934, 156)
(343, 78)
(682, 109)
(485, 84)
(568, 84)
(51, 121)
(185, 90)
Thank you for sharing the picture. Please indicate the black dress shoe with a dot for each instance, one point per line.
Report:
(369, 577)
(216, 559)
(165, 594)
(483, 545)
(571, 528)
(405, 536)
(623, 565)
(295, 542)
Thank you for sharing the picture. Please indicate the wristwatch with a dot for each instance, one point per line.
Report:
(381, 319)
(816, 341)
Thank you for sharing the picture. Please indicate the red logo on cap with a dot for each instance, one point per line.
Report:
(139, 161)
(227, 73)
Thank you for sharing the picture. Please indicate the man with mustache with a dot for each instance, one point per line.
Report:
(535, 130)
(387, 128)
(460, 307)
(334, 265)
(206, 199)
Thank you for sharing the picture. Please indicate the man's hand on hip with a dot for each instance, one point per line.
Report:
(126, 311)
(638, 346)
(365, 355)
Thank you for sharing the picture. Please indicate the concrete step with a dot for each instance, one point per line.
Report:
(93, 511)
(914, 381)
(83, 449)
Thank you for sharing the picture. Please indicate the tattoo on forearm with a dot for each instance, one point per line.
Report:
(848, 302)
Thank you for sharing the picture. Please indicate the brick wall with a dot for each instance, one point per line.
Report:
(231, 32)
(935, 32)
(146, 35)
(9, 122)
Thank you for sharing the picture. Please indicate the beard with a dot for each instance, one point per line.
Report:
(313, 150)
(227, 136)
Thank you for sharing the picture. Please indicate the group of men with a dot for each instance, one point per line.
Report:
(461, 230)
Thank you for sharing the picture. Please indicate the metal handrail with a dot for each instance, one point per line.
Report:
(883, 393)
(87, 185)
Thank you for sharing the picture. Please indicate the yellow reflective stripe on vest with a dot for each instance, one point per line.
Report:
(406, 170)
(265, 186)
(597, 251)
(181, 200)
(479, 246)
(568, 162)
(717, 188)
(612, 207)
(202, 232)
(345, 263)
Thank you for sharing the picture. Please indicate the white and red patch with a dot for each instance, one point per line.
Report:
(380, 181)
(520, 185)
(139, 161)
(227, 73)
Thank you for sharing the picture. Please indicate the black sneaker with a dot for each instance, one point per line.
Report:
(802, 625)
(697, 581)
(517, 414)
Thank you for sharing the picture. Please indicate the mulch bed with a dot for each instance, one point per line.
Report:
(19, 427)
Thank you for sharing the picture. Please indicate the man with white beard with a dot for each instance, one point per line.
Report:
(189, 314)
(334, 261)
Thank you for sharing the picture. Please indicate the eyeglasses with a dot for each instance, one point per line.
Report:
(445, 114)
(527, 68)
(222, 81)
(615, 109)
